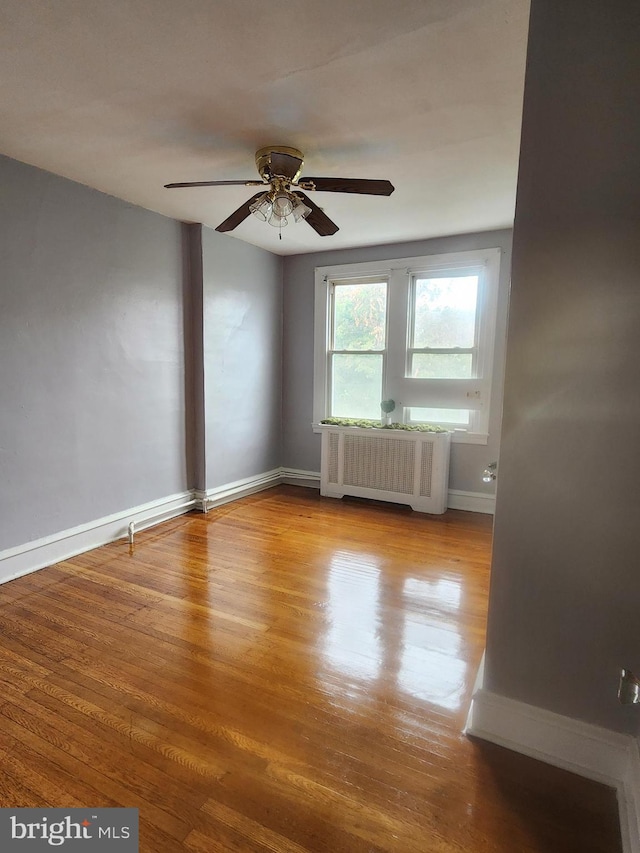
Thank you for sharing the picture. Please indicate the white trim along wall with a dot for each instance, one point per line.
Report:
(23, 559)
(596, 753)
(31, 556)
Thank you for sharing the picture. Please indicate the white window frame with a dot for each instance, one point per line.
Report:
(408, 392)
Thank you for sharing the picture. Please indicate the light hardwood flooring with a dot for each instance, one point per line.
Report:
(286, 673)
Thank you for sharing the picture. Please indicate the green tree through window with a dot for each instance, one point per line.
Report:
(358, 348)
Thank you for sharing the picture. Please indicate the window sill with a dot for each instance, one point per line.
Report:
(457, 436)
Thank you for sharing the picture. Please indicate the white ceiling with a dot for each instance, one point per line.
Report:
(127, 95)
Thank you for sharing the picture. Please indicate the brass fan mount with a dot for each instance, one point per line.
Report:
(279, 161)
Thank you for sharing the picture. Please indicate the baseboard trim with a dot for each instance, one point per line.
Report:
(471, 501)
(582, 748)
(297, 477)
(468, 501)
(31, 556)
(241, 488)
(596, 753)
(27, 558)
(38, 554)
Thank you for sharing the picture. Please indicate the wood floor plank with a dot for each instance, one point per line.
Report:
(285, 674)
(97, 765)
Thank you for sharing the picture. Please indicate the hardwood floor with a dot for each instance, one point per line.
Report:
(288, 674)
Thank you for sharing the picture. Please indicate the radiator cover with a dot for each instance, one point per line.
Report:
(386, 465)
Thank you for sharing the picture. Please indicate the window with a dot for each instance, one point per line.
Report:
(459, 419)
(443, 340)
(417, 330)
(357, 348)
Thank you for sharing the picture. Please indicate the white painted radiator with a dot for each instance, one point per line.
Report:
(386, 465)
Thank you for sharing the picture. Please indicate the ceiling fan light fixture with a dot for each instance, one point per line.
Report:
(262, 207)
(301, 211)
(280, 168)
(283, 204)
(277, 220)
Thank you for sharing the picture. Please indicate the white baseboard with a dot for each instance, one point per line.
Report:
(241, 488)
(200, 499)
(580, 747)
(31, 556)
(23, 559)
(471, 501)
(39, 553)
(596, 753)
(297, 477)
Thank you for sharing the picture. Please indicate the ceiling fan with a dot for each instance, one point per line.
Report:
(283, 197)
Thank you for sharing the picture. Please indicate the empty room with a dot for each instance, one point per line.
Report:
(318, 391)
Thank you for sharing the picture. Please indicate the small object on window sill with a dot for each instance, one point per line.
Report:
(387, 407)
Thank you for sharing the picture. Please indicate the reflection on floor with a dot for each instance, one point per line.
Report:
(287, 674)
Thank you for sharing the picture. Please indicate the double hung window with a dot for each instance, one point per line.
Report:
(419, 331)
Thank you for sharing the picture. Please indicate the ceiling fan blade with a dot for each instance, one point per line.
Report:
(318, 219)
(215, 184)
(238, 215)
(349, 185)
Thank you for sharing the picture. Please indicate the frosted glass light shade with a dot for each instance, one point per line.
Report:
(261, 207)
(277, 221)
(282, 205)
(301, 211)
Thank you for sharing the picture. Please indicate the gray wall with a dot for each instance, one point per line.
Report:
(565, 598)
(92, 398)
(242, 287)
(301, 448)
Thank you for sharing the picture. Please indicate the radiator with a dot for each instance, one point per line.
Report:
(386, 465)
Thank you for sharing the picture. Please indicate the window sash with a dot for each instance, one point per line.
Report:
(373, 412)
(334, 285)
(452, 272)
(461, 425)
(332, 352)
(472, 351)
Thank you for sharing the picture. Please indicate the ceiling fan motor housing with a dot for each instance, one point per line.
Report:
(279, 161)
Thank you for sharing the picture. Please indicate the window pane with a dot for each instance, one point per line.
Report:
(457, 417)
(356, 385)
(359, 316)
(445, 312)
(451, 365)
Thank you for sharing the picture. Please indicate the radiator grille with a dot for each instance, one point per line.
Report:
(426, 469)
(334, 440)
(379, 463)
